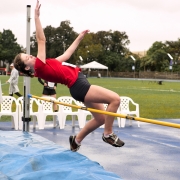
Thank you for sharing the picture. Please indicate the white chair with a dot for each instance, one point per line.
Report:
(6, 110)
(47, 109)
(124, 109)
(36, 115)
(82, 114)
(67, 110)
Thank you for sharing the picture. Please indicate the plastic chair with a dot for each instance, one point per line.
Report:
(6, 110)
(36, 115)
(66, 110)
(82, 114)
(125, 110)
(47, 109)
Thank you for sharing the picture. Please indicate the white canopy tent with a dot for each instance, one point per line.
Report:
(94, 65)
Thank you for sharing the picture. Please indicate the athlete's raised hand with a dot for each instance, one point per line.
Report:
(82, 34)
(37, 9)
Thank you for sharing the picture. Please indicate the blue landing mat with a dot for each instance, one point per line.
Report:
(26, 156)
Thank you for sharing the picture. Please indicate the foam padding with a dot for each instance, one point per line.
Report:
(27, 156)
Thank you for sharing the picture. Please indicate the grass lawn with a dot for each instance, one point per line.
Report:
(155, 101)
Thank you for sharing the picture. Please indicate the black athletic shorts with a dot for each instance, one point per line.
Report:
(80, 88)
(47, 91)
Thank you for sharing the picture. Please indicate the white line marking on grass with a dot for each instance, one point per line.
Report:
(144, 88)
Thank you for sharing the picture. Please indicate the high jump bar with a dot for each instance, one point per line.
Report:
(162, 123)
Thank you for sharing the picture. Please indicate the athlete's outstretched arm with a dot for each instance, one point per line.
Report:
(67, 54)
(40, 37)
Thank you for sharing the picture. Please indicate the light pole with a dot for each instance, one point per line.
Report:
(133, 66)
(87, 56)
(80, 57)
(171, 62)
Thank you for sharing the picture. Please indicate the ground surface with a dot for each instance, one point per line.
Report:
(151, 152)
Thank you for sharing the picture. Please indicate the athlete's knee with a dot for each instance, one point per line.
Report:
(100, 119)
(116, 100)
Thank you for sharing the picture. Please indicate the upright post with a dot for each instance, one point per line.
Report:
(26, 114)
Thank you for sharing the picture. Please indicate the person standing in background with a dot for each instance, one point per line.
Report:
(13, 82)
(50, 90)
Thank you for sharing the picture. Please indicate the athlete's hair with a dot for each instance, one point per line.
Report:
(20, 66)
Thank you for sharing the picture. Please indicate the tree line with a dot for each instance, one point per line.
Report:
(106, 47)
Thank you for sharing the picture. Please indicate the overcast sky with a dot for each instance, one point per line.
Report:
(144, 21)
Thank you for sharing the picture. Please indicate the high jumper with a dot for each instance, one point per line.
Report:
(58, 71)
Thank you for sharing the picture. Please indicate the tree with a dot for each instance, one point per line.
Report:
(113, 61)
(99, 46)
(114, 49)
(173, 48)
(49, 32)
(156, 59)
(9, 48)
(64, 37)
(89, 49)
(57, 40)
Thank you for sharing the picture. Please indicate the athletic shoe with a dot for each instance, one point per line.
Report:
(113, 140)
(73, 146)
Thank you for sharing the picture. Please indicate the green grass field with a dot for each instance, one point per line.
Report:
(155, 101)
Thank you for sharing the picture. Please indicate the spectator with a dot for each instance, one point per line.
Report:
(13, 82)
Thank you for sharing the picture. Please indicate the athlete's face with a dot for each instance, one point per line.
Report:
(28, 60)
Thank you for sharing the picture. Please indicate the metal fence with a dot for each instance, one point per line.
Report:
(141, 74)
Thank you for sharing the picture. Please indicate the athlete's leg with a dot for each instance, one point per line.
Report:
(99, 94)
(91, 125)
(95, 95)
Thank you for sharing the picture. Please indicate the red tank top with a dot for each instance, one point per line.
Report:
(56, 71)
